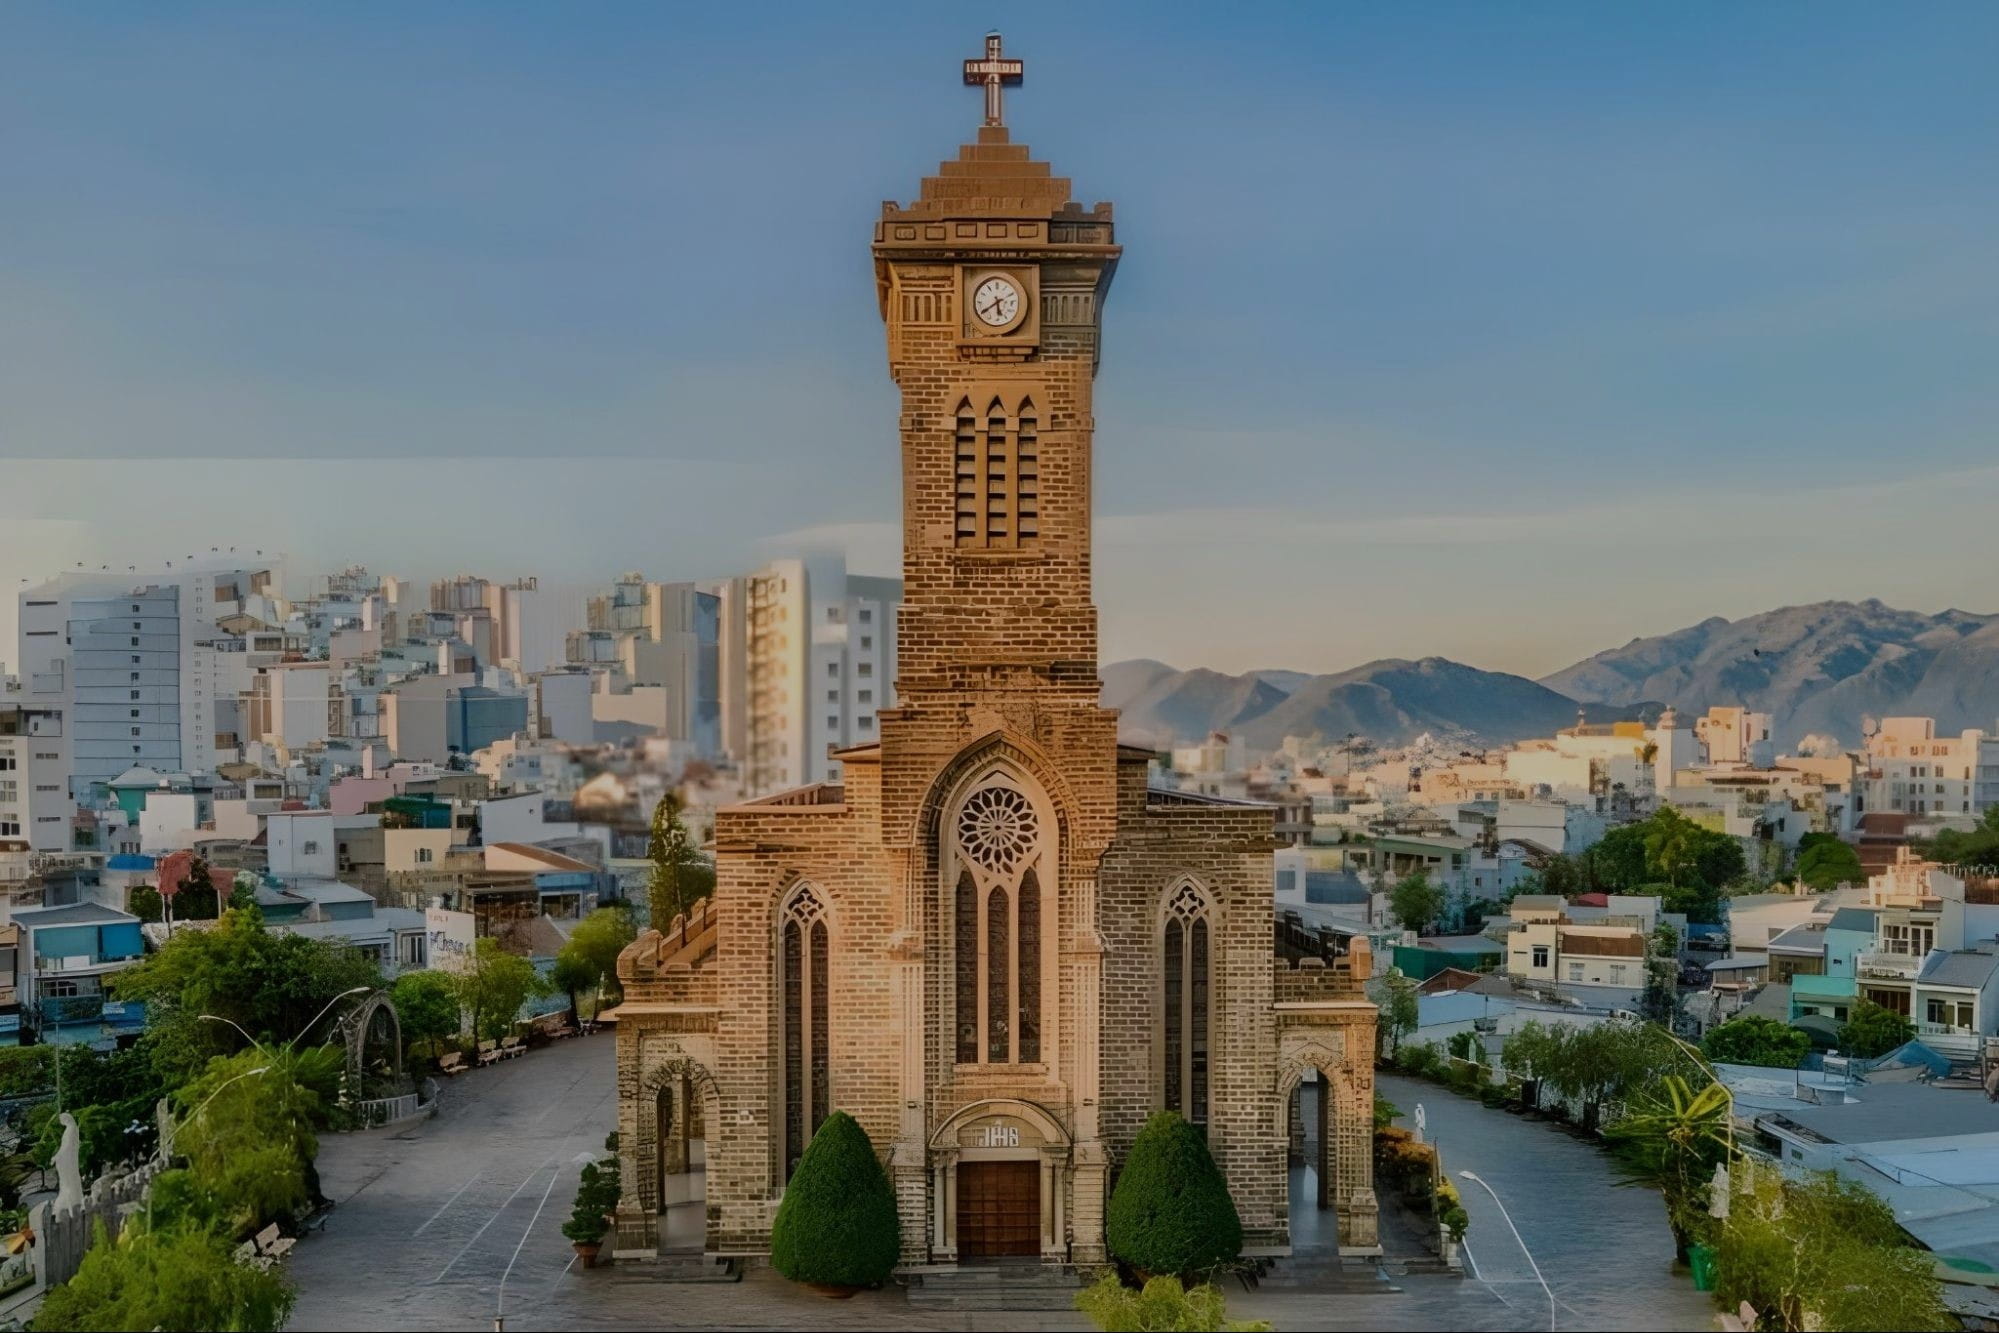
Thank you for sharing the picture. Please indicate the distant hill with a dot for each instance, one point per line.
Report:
(1819, 669)
(1391, 702)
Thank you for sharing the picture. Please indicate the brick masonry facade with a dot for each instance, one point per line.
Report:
(997, 689)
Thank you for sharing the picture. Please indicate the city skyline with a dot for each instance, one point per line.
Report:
(1538, 297)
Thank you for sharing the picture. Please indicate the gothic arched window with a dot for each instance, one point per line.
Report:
(997, 473)
(1185, 992)
(802, 979)
(996, 920)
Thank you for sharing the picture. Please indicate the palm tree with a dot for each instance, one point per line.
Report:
(1673, 1142)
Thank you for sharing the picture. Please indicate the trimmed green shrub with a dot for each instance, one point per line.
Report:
(1171, 1213)
(837, 1225)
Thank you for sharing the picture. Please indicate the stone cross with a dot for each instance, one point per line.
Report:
(994, 72)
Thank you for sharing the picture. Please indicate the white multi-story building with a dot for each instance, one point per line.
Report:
(141, 664)
(807, 662)
(1735, 736)
(35, 804)
(1912, 770)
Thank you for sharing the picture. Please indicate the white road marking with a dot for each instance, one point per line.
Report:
(489, 1221)
(447, 1203)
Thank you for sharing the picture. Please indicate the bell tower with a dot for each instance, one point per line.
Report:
(992, 286)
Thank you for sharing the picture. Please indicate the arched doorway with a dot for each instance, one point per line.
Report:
(1311, 1166)
(682, 1164)
(1000, 1173)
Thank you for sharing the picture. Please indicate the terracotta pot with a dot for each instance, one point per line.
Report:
(587, 1252)
(837, 1291)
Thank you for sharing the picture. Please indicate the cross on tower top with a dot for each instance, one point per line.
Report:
(994, 72)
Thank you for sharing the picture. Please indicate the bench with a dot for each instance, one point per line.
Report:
(488, 1052)
(265, 1249)
(511, 1047)
(452, 1063)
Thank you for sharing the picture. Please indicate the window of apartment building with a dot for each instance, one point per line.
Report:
(832, 723)
(832, 696)
(1948, 1013)
(10, 828)
(867, 724)
(867, 696)
(135, 712)
(135, 641)
(424, 856)
(309, 848)
(135, 694)
(832, 671)
(865, 670)
(8, 791)
(867, 616)
(135, 659)
(6, 763)
(1540, 955)
(135, 731)
(1575, 971)
(867, 643)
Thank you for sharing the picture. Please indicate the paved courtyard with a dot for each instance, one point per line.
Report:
(430, 1217)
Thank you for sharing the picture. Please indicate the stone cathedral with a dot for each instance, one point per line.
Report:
(990, 942)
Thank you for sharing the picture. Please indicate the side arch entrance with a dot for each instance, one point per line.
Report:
(1000, 1173)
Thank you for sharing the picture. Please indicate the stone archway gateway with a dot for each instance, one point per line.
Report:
(1000, 1170)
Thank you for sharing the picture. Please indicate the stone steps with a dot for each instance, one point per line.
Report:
(1330, 1273)
(686, 1268)
(1022, 1287)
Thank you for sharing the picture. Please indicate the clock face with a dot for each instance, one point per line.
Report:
(996, 302)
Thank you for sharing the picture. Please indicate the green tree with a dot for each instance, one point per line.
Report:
(183, 1278)
(596, 943)
(1415, 901)
(426, 1008)
(1979, 847)
(1395, 996)
(1829, 864)
(1873, 1029)
(571, 976)
(1755, 1040)
(495, 986)
(1819, 1252)
(270, 985)
(1163, 1303)
(248, 1136)
(1672, 1141)
(1670, 844)
(1616, 864)
(680, 878)
(837, 1223)
(1170, 1211)
(1562, 876)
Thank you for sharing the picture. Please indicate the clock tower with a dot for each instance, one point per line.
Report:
(992, 286)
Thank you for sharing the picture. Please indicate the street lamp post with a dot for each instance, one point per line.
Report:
(1519, 1241)
(352, 990)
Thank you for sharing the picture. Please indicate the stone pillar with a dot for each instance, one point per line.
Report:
(1354, 1128)
(1331, 1152)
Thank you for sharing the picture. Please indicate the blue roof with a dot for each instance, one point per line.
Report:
(131, 861)
(1853, 918)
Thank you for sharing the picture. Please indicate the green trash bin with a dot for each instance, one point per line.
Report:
(1701, 1259)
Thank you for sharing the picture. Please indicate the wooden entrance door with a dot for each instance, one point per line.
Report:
(999, 1209)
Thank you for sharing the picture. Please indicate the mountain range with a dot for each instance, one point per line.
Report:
(1822, 670)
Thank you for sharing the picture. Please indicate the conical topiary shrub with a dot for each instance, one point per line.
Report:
(1171, 1213)
(837, 1225)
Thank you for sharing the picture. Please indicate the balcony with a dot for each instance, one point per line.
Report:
(1892, 966)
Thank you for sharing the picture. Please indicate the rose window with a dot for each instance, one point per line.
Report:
(996, 828)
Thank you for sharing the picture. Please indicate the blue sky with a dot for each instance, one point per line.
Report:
(1501, 332)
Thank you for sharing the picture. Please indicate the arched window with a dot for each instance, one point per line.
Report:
(996, 920)
(1185, 993)
(997, 473)
(802, 1009)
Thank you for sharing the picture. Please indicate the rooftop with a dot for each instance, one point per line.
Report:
(73, 915)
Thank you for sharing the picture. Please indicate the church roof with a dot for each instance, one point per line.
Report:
(994, 174)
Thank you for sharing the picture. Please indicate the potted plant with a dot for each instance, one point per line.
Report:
(596, 1198)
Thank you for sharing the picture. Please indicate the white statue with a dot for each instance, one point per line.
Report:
(69, 1176)
(1422, 1122)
